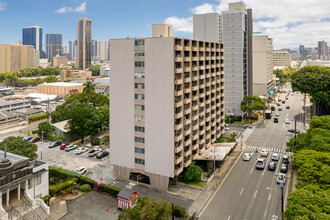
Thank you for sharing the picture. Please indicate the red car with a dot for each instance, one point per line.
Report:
(33, 140)
(63, 146)
(279, 100)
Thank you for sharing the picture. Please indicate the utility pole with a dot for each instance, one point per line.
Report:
(295, 134)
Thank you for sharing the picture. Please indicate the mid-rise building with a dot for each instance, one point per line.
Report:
(53, 45)
(72, 49)
(237, 40)
(60, 61)
(262, 65)
(166, 106)
(281, 58)
(16, 57)
(208, 27)
(162, 30)
(76, 75)
(62, 89)
(84, 44)
(33, 36)
(323, 50)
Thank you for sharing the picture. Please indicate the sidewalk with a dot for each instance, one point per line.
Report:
(206, 194)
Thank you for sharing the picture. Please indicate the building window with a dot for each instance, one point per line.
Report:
(139, 161)
(139, 75)
(139, 150)
(38, 179)
(139, 85)
(139, 107)
(139, 96)
(139, 42)
(139, 128)
(139, 53)
(139, 64)
(139, 118)
(139, 139)
(39, 196)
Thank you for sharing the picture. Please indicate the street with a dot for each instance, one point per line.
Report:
(247, 193)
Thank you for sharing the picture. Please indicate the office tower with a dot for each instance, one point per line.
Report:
(166, 106)
(322, 50)
(84, 43)
(94, 48)
(72, 49)
(262, 64)
(301, 49)
(53, 45)
(207, 27)
(33, 36)
(100, 50)
(16, 57)
(162, 30)
(281, 58)
(314, 55)
(237, 40)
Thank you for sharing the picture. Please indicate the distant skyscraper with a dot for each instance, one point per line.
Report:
(100, 49)
(33, 36)
(322, 50)
(84, 43)
(53, 45)
(301, 49)
(94, 48)
(72, 49)
(207, 27)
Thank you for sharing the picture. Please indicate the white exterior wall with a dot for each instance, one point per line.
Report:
(43, 187)
(159, 106)
(207, 27)
(122, 103)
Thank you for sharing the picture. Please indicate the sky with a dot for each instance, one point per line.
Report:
(289, 22)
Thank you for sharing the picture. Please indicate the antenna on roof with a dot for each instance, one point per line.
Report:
(5, 160)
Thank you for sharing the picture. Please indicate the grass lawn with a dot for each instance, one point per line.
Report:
(245, 122)
(199, 184)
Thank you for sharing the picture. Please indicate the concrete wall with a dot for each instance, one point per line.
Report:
(207, 27)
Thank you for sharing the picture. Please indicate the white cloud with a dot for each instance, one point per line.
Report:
(3, 6)
(289, 23)
(80, 8)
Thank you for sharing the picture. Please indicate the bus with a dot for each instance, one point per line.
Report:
(268, 114)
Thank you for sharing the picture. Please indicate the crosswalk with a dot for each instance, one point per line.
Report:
(274, 150)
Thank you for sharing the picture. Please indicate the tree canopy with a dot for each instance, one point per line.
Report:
(45, 130)
(193, 173)
(95, 70)
(50, 79)
(89, 87)
(252, 103)
(17, 145)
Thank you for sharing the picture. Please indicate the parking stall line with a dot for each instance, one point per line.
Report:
(241, 191)
(255, 194)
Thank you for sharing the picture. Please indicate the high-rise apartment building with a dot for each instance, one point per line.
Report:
(33, 36)
(262, 64)
(100, 49)
(72, 49)
(281, 58)
(53, 45)
(323, 50)
(207, 27)
(162, 30)
(84, 43)
(237, 40)
(16, 57)
(167, 105)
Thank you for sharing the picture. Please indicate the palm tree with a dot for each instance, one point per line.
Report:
(89, 87)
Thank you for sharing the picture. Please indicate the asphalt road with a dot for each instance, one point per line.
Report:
(244, 194)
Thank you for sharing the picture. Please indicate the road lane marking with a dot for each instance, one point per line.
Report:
(255, 194)
(265, 213)
(270, 194)
(263, 172)
(241, 191)
(228, 218)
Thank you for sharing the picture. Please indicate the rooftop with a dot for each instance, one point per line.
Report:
(14, 158)
(259, 34)
(61, 125)
(63, 84)
(41, 96)
(10, 102)
(219, 150)
(5, 114)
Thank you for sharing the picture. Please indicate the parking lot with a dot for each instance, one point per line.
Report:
(96, 168)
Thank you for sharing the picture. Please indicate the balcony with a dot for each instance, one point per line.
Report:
(187, 59)
(186, 122)
(187, 90)
(178, 126)
(207, 101)
(208, 92)
(187, 68)
(186, 100)
(201, 104)
(178, 158)
(194, 108)
(187, 111)
(178, 70)
(178, 92)
(202, 67)
(177, 138)
(178, 47)
(187, 79)
(178, 59)
(213, 107)
(208, 110)
(188, 142)
(194, 147)
(178, 148)
(201, 150)
(194, 118)
(178, 104)
(178, 81)
(178, 170)
(194, 58)
(195, 97)
(187, 162)
(195, 88)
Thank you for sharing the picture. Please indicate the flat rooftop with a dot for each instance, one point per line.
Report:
(217, 151)
(10, 102)
(62, 84)
(14, 158)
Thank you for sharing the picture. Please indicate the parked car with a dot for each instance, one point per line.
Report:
(62, 100)
(278, 104)
(81, 170)
(285, 159)
(37, 107)
(23, 123)
(279, 100)
(287, 106)
(287, 121)
(81, 150)
(277, 114)
(283, 101)
(52, 102)
(63, 146)
(55, 144)
(28, 138)
(287, 97)
(247, 156)
(260, 165)
(284, 168)
(102, 154)
(34, 140)
(280, 178)
(275, 157)
(94, 152)
(275, 120)
(273, 108)
(292, 131)
(264, 153)
(44, 104)
(70, 147)
(272, 166)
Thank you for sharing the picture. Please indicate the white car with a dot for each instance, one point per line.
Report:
(44, 104)
(280, 178)
(62, 100)
(264, 153)
(24, 123)
(275, 157)
(81, 170)
(277, 114)
(70, 147)
(287, 121)
(52, 102)
(247, 156)
(81, 150)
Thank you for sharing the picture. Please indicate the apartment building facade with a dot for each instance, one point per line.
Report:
(262, 64)
(167, 106)
(281, 58)
(208, 27)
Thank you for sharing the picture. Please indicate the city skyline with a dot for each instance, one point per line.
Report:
(279, 21)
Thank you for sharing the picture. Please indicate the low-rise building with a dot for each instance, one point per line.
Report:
(27, 113)
(60, 61)
(76, 75)
(281, 58)
(62, 89)
(62, 129)
(13, 105)
(8, 120)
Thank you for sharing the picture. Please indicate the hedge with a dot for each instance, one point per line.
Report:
(112, 190)
(53, 190)
(46, 199)
(39, 117)
(85, 188)
(64, 174)
(86, 180)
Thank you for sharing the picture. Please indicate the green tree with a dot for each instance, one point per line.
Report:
(50, 79)
(67, 80)
(45, 129)
(193, 173)
(89, 87)
(252, 103)
(95, 70)
(103, 113)
(17, 145)
(83, 120)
